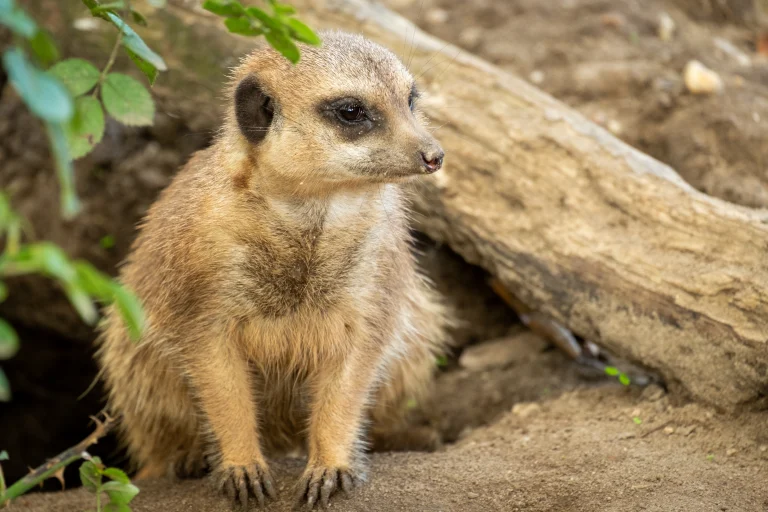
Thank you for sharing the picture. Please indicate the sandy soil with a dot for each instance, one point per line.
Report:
(580, 451)
(533, 433)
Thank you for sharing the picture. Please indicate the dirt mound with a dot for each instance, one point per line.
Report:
(607, 448)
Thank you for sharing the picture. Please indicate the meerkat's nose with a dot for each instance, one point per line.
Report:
(433, 159)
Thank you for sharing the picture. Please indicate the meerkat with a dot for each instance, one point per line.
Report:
(284, 307)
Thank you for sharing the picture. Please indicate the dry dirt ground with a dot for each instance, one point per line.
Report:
(533, 435)
(528, 429)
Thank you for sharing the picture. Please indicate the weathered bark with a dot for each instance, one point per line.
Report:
(605, 239)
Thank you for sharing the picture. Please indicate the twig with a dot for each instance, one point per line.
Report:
(59, 462)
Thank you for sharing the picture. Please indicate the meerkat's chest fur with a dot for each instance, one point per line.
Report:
(319, 259)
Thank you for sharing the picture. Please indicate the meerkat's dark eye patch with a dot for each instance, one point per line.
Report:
(254, 109)
(413, 97)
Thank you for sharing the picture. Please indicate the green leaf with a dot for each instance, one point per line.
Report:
(87, 127)
(120, 493)
(44, 47)
(70, 205)
(3, 455)
(117, 475)
(242, 26)
(54, 261)
(156, 3)
(107, 242)
(441, 361)
(138, 18)
(5, 387)
(108, 7)
(90, 475)
(82, 303)
(266, 20)
(9, 340)
(145, 67)
(78, 75)
(302, 32)
(130, 309)
(95, 283)
(282, 9)
(3, 291)
(282, 44)
(117, 507)
(45, 96)
(637, 420)
(127, 100)
(132, 41)
(16, 19)
(224, 8)
(624, 379)
(611, 370)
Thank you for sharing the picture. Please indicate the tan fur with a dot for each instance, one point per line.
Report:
(283, 303)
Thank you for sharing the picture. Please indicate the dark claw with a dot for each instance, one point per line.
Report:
(329, 485)
(347, 485)
(319, 485)
(243, 489)
(240, 483)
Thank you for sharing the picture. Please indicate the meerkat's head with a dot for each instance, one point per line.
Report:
(345, 115)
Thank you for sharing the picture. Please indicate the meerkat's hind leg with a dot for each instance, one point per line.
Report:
(410, 381)
(193, 462)
(409, 387)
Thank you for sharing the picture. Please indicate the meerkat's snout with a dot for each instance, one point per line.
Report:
(432, 157)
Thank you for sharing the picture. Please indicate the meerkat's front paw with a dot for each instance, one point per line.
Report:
(319, 483)
(241, 483)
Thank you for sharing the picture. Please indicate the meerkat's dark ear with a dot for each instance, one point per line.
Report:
(254, 110)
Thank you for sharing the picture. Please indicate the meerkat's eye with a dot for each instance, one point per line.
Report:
(351, 113)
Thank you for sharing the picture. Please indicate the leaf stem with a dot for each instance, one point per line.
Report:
(60, 461)
(110, 63)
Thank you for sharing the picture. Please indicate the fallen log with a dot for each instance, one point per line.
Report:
(603, 238)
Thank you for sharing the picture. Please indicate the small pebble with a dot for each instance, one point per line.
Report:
(86, 24)
(470, 37)
(536, 77)
(731, 451)
(472, 495)
(669, 430)
(436, 16)
(614, 127)
(666, 27)
(653, 393)
(701, 80)
(525, 410)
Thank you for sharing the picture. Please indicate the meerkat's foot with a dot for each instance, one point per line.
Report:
(192, 464)
(319, 483)
(241, 483)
